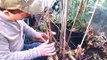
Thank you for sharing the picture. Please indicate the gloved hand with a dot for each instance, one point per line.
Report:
(46, 49)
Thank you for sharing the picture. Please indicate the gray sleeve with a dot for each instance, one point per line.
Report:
(6, 54)
(29, 30)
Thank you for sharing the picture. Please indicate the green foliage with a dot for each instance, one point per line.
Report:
(82, 17)
(72, 9)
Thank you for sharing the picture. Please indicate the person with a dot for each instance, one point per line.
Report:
(13, 28)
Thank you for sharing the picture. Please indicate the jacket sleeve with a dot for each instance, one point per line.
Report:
(29, 30)
(6, 54)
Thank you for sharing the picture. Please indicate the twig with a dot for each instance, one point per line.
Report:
(74, 21)
(86, 1)
(63, 27)
(89, 23)
(79, 49)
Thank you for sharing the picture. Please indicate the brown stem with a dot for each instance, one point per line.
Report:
(80, 5)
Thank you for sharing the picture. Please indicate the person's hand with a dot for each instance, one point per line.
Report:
(46, 49)
(40, 36)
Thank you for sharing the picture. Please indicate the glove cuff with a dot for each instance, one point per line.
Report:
(35, 52)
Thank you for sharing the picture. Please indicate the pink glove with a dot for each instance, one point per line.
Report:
(46, 49)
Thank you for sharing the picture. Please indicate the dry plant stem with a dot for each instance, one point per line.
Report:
(77, 13)
(89, 23)
(63, 27)
(48, 20)
(55, 57)
(78, 50)
(86, 1)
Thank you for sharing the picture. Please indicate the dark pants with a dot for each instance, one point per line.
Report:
(28, 44)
